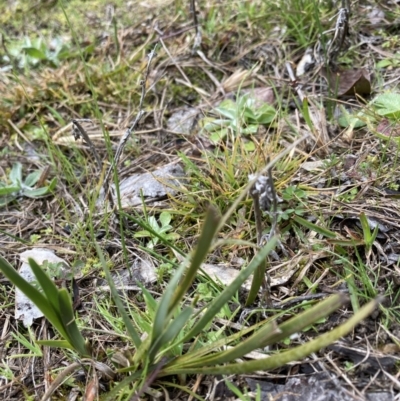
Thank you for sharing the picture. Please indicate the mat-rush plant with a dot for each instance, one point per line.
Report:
(176, 323)
(54, 303)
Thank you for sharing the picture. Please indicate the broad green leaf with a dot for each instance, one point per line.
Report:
(142, 234)
(35, 193)
(7, 199)
(249, 146)
(388, 104)
(228, 109)
(8, 190)
(210, 124)
(216, 137)
(35, 53)
(165, 219)
(32, 178)
(384, 63)
(249, 129)
(153, 224)
(16, 174)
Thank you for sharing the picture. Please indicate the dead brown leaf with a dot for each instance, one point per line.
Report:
(261, 96)
(385, 127)
(349, 82)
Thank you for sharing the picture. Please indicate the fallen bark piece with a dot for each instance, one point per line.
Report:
(25, 309)
(153, 186)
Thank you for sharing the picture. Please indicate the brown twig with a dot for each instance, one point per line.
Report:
(78, 131)
(197, 38)
(132, 128)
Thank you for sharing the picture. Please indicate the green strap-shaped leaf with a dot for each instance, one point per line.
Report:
(281, 358)
(229, 291)
(34, 193)
(163, 312)
(306, 318)
(127, 321)
(175, 326)
(203, 246)
(46, 283)
(250, 344)
(34, 295)
(67, 315)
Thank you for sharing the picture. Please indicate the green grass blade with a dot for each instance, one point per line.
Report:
(365, 228)
(228, 292)
(55, 344)
(128, 324)
(306, 115)
(320, 230)
(14, 237)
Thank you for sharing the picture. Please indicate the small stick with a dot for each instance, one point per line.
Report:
(79, 131)
(197, 39)
(129, 131)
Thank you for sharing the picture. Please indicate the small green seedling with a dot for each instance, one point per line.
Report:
(293, 197)
(16, 187)
(162, 230)
(34, 52)
(242, 118)
(385, 105)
